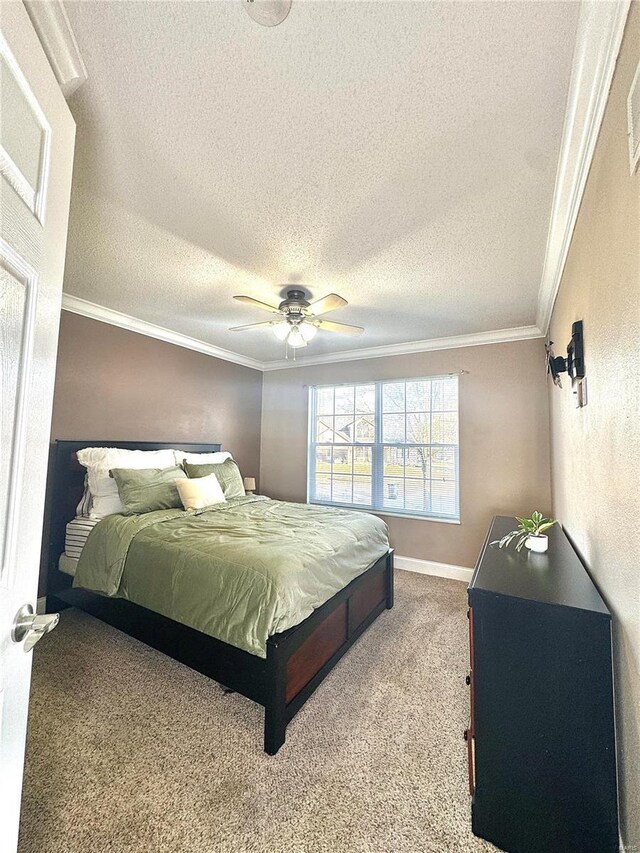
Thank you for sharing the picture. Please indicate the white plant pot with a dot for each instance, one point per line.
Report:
(539, 544)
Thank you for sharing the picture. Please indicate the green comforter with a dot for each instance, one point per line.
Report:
(239, 571)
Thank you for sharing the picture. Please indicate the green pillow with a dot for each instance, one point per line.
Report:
(146, 489)
(228, 475)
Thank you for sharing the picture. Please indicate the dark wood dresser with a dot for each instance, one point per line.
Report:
(541, 738)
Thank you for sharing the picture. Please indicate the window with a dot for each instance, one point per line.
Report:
(386, 446)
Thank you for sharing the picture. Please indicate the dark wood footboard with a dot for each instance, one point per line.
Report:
(300, 658)
(297, 660)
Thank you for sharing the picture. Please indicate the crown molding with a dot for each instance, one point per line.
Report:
(499, 336)
(598, 39)
(50, 21)
(75, 305)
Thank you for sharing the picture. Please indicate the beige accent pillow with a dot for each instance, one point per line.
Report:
(200, 492)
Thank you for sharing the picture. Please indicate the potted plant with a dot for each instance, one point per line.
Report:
(530, 532)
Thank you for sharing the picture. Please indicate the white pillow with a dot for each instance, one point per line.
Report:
(200, 492)
(100, 460)
(202, 458)
(83, 510)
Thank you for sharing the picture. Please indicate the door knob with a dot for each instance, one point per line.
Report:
(30, 627)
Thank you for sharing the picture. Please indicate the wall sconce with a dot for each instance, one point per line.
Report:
(573, 364)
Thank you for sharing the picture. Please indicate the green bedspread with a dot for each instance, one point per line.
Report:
(239, 571)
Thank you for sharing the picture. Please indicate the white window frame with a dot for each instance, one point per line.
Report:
(377, 453)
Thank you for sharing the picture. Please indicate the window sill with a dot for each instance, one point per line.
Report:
(387, 513)
(414, 517)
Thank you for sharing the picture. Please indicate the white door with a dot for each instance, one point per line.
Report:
(37, 136)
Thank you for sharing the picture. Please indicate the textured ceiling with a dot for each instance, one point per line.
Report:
(400, 154)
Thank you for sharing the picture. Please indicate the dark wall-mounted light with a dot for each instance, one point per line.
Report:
(575, 353)
(573, 364)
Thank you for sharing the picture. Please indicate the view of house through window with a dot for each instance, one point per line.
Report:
(389, 446)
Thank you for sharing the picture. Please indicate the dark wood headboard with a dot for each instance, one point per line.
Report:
(66, 484)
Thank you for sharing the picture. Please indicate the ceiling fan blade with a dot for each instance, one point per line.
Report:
(326, 304)
(342, 328)
(251, 301)
(254, 326)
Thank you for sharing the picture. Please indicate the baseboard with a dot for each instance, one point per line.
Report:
(429, 567)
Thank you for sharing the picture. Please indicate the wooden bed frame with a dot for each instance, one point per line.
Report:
(297, 659)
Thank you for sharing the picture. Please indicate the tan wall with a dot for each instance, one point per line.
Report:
(115, 384)
(596, 450)
(504, 438)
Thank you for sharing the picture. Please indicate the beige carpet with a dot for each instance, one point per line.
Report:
(130, 751)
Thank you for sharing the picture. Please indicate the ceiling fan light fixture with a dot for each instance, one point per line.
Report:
(295, 339)
(298, 319)
(281, 330)
(307, 331)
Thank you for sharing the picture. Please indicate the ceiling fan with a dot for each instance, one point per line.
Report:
(299, 319)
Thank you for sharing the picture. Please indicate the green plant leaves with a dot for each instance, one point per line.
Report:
(534, 526)
(521, 540)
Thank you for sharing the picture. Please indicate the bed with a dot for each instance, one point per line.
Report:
(269, 660)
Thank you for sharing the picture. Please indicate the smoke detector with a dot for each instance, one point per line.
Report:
(267, 13)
